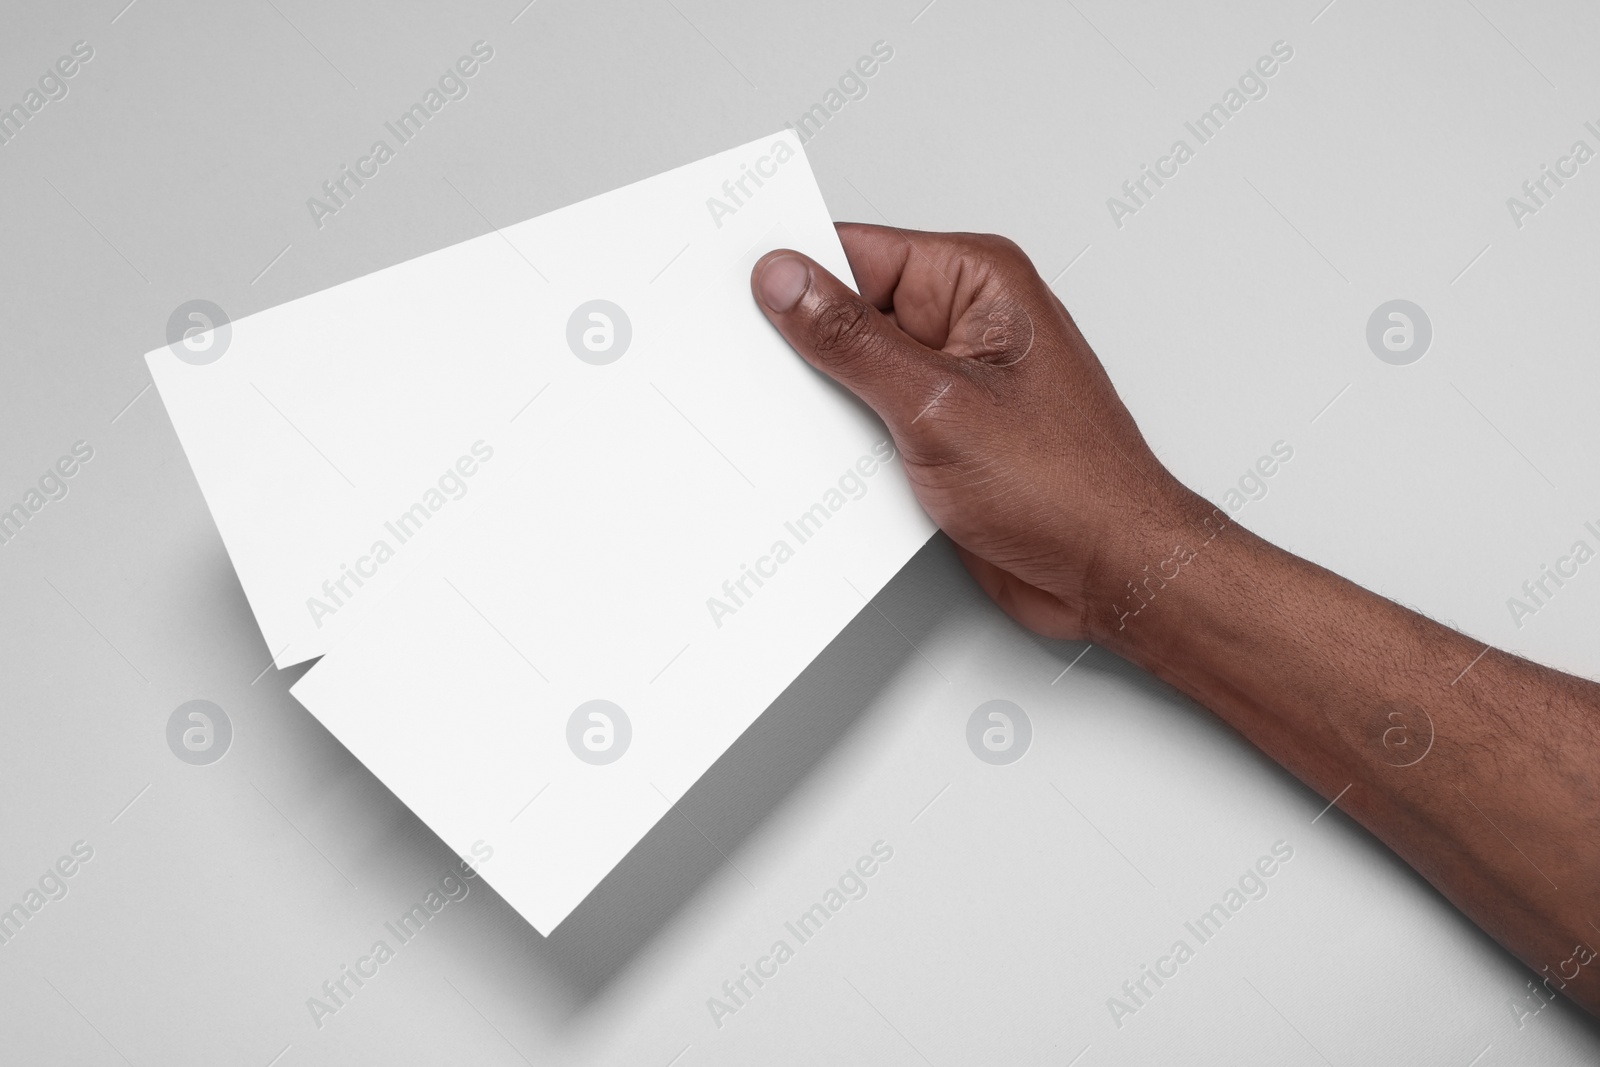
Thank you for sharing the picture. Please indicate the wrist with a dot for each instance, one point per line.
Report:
(1166, 572)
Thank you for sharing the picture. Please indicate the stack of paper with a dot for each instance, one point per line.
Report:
(559, 509)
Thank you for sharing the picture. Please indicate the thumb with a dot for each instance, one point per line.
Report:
(847, 338)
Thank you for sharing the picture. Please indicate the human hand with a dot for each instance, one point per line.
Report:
(1011, 433)
(1018, 446)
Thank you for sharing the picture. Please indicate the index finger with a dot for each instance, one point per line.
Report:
(926, 279)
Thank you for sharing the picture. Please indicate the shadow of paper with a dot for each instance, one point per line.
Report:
(558, 983)
(691, 842)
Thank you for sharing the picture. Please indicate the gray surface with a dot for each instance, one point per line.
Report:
(1231, 310)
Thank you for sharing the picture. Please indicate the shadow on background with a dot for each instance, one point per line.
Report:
(556, 981)
(751, 779)
(560, 977)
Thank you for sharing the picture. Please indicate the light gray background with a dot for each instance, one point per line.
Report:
(1231, 312)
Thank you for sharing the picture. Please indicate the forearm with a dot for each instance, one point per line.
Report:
(1487, 782)
(1016, 443)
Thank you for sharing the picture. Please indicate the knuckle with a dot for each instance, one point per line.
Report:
(1000, 258)
(843, 328)
(1008, 248)
(1000, 248)
(1007, 335)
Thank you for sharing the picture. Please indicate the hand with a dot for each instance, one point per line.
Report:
(1017, 445)
(1011, 433)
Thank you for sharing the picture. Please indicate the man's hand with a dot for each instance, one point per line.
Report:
(1017, 445)
(1012, 435)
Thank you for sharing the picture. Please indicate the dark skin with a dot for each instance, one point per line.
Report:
(1478, 768)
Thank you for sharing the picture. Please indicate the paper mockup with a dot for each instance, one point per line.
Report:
(335, 438)
(669, 513)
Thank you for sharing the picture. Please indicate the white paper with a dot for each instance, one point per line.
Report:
(678, 532)
(331, 416)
